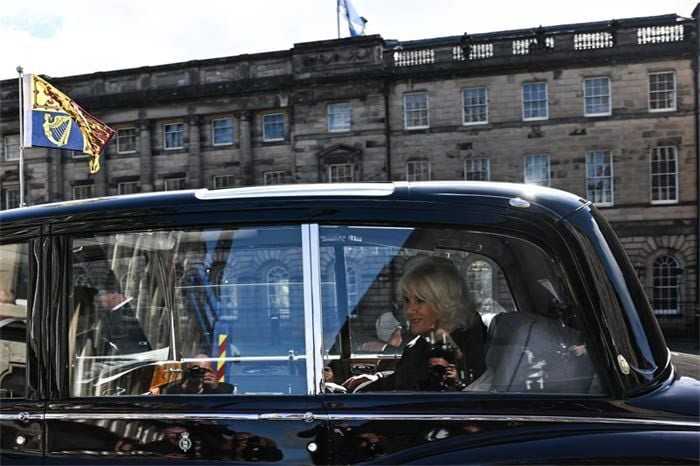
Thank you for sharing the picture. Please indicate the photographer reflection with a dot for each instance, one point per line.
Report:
(442, 371)
(198, 377)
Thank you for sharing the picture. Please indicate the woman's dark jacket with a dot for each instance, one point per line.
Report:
(412, 370)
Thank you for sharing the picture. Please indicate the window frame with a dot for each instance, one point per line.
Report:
(346, 166)
(265, 126)
(281, 175)
(674, 92)
(78, 187)
(671, 263)
(119, 139)
(586, 97)
(546, 101)
(227, 185)
(180, 179)
(549, 168)
(121, 184)
(676, 198)
(213, 132)
(7, 192)
(332, 115)
(406, 111)
(166, 133)
(480, 159)
(418, 163)
(485, 105)
(611, 177)
(6, 148)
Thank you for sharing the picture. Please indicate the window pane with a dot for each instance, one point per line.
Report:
(599, 177)
(339, 117)
(597, 96)
(203, 311)
(662, 91)
(475, 105)
(222, 131)
(666, 279)
(535, 101)
(537, 169)
(415, 110)
(126, 140)
(415, 318)
(273, 127)
(174, 135)
(418, 171)
(14, 280)
(664, 175)
(477, 170)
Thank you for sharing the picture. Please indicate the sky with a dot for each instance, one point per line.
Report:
(86, 36)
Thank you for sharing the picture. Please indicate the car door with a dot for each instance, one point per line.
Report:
(526, 381)
(187, 344)
(21, 407)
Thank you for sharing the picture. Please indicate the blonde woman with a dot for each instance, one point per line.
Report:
(440, 314)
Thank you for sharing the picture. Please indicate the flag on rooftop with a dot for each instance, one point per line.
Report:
(54, 120)
(356, 23)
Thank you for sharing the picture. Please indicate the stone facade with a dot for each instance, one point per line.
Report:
(372, 76)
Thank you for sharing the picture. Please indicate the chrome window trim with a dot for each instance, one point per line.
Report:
(311, 250)
(286, 416)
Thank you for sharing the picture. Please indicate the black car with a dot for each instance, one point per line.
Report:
(441, 323)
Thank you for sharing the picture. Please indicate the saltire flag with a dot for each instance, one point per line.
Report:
(54, 120)
(356, 23)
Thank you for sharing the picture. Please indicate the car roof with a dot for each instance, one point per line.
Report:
(558, 203)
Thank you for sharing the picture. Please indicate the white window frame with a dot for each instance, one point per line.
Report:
(8, 192)
(180, 180)
(665, 283)
(76, 191)
(423, 167)
(674, 151)
(608, 153)
(284, 125)
(406, 111)
(469, 163)
(165, 135)
(339, 111)
(216, 179)
(122, 185)
(119, 139)
(465, 105)
(549, 167)
(608, 112)
(6, 148)
(346, 167)
(546, 101)
(274, 177)
(213, 132)
(674, 92)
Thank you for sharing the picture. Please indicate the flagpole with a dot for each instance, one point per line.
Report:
(20, 71)
(337, 15)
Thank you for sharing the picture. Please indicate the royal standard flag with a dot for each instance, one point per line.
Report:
(54, 120)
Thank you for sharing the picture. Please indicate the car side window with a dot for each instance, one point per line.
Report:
(14, 278)
(209, 311)
(445, 311)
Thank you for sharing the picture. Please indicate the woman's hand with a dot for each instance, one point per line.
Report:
(353, 382)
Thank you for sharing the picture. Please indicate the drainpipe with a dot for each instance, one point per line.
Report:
(387, 129)
(696, 81)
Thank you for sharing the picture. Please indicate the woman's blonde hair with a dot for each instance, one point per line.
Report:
(436, 280)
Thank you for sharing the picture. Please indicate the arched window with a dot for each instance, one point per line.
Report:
(351, 279)
(666, 278)
(480, 280)
(227, 291)
(278, 292)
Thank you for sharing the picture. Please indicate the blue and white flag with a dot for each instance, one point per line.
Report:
(356, 23)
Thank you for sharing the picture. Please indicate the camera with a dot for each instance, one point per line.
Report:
(438, 360)
(194, 372)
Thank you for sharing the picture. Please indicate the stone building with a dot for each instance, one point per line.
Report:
(607, 110)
